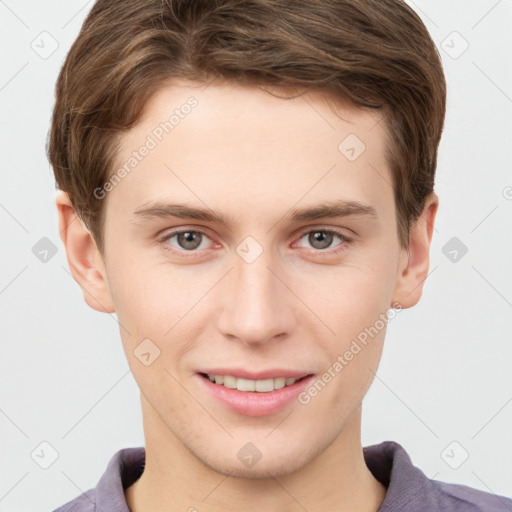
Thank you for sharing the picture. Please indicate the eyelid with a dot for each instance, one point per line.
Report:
(176, 231)
(326, 229)
(346, 240)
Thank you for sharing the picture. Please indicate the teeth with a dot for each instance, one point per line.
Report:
(229, 381)
(246, 384)
(280, 382)
(264, 386)
(260, 386)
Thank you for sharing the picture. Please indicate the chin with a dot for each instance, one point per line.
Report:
(261, 470)
(277, 464)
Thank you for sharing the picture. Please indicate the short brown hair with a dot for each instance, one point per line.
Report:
(375, 54)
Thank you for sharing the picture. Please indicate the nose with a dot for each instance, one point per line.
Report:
(256, 305)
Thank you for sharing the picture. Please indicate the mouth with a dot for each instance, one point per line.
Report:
(254, 397)
(250, 385)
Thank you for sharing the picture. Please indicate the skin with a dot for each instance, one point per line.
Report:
(253, 158)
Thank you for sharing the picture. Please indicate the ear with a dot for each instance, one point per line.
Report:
(413, 266)
(84, 259)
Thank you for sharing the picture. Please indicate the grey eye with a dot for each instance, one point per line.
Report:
(189, 240)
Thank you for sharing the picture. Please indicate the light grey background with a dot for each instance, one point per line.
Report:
(445, 374)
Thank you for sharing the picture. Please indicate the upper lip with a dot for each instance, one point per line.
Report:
(271, 373)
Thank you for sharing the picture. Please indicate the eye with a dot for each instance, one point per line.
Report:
(191, 241)
(186, 240)
(321, 239)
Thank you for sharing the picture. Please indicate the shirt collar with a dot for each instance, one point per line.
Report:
(407, 486)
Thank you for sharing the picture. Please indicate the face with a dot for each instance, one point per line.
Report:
(294, 256)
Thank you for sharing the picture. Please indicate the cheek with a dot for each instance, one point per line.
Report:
(152, 298)
(157, 300)
(348, 299)
(353, 303)
(162, 305)
(352, 361)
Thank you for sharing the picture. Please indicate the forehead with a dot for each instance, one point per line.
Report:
(233, 147)
(221, 104)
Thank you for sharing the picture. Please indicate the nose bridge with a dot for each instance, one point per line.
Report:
(256, 306)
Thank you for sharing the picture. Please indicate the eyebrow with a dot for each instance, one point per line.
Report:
(329, 209)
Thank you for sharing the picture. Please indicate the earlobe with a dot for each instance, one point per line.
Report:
(84, 260)
(413, 266)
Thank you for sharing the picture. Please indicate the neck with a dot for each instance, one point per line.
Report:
(174, 479)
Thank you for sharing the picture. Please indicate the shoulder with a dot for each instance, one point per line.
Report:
(408, 488)
(108, 496)
(461, 498)
(83, 503)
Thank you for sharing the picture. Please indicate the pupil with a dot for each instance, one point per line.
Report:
(323, 238)
(187, 241)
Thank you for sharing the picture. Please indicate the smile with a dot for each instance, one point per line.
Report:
(258, 386)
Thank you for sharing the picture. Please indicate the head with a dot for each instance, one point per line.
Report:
(253, 112)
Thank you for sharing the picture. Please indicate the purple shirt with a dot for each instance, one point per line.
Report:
(408, 489)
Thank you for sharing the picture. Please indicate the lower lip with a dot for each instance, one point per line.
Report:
(253, 403)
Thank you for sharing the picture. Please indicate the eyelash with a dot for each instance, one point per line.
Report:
(341, 247)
